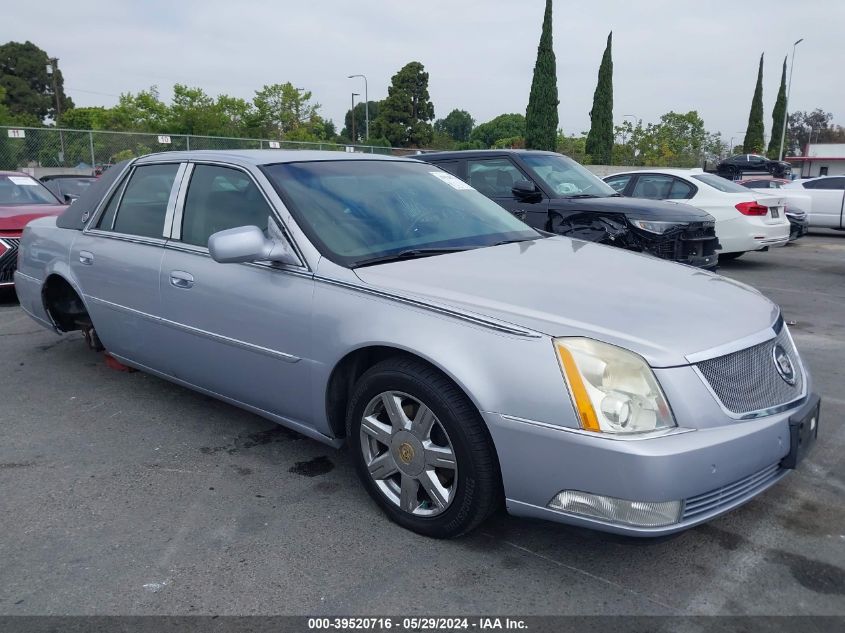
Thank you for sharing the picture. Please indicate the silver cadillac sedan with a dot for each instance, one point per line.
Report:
(464, 358)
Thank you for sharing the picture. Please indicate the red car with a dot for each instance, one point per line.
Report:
(22, 198)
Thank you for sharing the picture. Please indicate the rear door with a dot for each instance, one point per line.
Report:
(116, 262)
(239, 330)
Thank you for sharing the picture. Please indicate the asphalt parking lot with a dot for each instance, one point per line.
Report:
(123, 494)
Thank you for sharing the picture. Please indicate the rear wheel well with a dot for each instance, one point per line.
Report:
(64, 305)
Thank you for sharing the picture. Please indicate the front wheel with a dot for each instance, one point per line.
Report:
(422, 450)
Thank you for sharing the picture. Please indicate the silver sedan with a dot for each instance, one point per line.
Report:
(466, 359)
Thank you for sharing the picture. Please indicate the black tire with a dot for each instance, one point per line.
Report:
(727, 257)
(478, 490)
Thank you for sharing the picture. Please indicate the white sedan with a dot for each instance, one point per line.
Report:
(828, 195)
(746, 220)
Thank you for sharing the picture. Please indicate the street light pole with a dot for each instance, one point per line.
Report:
(786, 105)
(354, 137)
(366, 106)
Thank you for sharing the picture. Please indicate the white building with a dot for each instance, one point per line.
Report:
(819, 159)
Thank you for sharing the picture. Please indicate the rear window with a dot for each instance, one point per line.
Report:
(23, 190)
(722, 184)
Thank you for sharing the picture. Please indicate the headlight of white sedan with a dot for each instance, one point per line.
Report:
(613, 390)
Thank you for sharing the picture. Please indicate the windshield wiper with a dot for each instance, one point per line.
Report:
(411, 253)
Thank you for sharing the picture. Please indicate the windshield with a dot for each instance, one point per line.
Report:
(722, 184)
(362, 210)
(565, 177)
(23, 190)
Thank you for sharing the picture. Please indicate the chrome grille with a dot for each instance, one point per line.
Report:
(748, 380)
(728, 495)
(8, 258)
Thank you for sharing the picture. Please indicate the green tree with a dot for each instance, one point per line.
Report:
(141, 112)
(600, 138)
(678, 140)
(811, 127)
(541, 116)
(281, 108)
(754, 141)
(83, 118)
(27, 84)
(192, 111)
(457, 125)
(360, 121)
(778, 115)
(404, 116)
(501, 127)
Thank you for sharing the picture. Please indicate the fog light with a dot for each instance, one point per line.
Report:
(639, 513)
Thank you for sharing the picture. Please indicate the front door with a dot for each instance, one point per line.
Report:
(495, 178)
(238, 330)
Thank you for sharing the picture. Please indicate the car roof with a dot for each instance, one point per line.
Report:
(480, 152)
(58, 176)
(262, 156)
(661, 170)
(13, 173)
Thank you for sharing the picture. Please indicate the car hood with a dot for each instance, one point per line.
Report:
(16, 217)
(637, 208)
(563, 287)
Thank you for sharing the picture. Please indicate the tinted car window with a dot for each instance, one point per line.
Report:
(826, 183)
(719, 183)
(144, 202)
(356, 211)
(451, 166)
(618, 182)
(653, 186)
(681, 190)
(221, 198)
(494, 177)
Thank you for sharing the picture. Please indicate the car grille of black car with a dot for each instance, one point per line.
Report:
(8, 259)
(725, 496)
(748, 380)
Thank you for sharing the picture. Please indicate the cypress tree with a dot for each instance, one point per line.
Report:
(778, 115)
(754, 141)
(600, 139)
(541, 115)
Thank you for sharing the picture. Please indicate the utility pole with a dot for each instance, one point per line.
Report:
(366, 106)
(786, 108)
(53, 67)
(354, 137)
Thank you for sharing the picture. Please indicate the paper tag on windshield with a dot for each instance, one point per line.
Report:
(23, 180)
(449, 179)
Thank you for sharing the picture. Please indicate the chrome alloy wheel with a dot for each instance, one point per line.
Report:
(408, 454)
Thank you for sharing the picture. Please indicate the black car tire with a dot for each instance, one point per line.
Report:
(478, 490)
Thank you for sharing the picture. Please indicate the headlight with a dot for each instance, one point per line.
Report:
(613, 390)
(657, 227)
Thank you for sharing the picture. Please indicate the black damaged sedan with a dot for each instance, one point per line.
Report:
(552, 192)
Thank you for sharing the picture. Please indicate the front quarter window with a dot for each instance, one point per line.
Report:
(355, 211)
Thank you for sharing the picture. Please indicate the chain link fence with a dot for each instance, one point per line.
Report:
(92, 150)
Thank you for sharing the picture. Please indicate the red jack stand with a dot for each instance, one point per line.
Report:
(113, 363)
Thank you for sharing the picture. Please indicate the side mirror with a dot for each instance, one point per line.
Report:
(70, 198)
(526, 190)
(248, 244)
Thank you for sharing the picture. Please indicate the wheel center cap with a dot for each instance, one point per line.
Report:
(408, 453)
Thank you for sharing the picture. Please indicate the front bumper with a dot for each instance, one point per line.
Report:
(712, 470)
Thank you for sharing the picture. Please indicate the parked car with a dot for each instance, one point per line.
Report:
(462, 355)
(796, 205)
(22, 199)
(553, 193)
(745, 220)
(67, 187)
(828, 195)
(734, 166)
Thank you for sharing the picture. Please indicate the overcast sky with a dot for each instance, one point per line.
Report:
(668, 54)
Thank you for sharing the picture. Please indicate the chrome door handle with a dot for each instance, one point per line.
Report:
(181, 279)
(86, 257)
